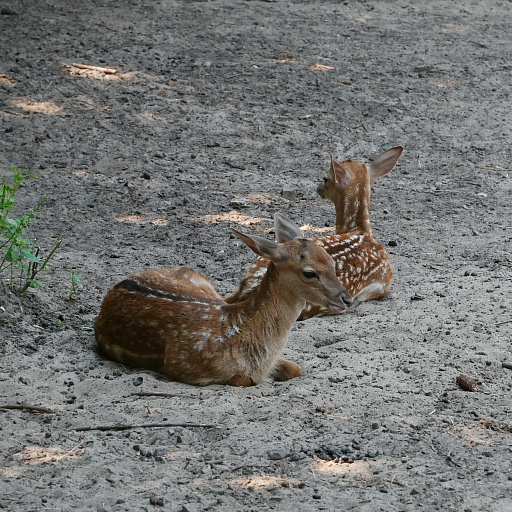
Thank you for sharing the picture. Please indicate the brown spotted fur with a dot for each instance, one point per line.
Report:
(362, 264)
(173, 321)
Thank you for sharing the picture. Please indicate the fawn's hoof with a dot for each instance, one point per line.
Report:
(286, 370)
(240, 382)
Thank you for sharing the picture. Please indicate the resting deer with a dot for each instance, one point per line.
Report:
(173, 321)
(362, 264)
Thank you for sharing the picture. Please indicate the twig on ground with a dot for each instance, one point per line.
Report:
(508, 366)
(496, 168)
(120, 426)
(107, 71)
(30, 408)
(165, 395)
(503, 323)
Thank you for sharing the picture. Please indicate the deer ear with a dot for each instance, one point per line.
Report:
(285, 229)
(339, 174)
(261, 246)
(384, 162)
(331, 172)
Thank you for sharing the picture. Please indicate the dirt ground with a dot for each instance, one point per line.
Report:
(214, 109)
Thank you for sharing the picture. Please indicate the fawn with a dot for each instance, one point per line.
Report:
(173, 321)
(362, 264)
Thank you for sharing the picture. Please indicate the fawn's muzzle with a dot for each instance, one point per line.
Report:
(344, 300)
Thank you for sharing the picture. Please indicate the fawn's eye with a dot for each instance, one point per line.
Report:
(309, 274)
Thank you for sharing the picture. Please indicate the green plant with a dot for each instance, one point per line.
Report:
(19, 258)
(75, 280)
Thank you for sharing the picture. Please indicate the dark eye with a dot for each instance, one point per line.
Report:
(326, 180)
(309, 274)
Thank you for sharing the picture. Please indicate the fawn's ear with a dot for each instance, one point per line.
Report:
(339, 174)
(384, 162)
(285, 229)
(261, 246)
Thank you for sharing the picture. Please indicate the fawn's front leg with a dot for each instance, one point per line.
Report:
(286, 370)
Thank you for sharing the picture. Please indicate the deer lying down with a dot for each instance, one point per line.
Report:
(173, 321)
(362, 264)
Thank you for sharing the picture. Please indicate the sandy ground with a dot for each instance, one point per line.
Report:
(215, 108)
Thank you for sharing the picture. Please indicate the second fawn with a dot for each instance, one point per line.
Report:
(362, 264)
(173, 321)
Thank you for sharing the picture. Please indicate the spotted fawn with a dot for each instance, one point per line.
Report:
(362, 264)
(173, 321)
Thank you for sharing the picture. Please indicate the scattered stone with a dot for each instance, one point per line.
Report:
(157, 502)
(288, 193)
(392, 243)
(138, 381)
(239, 202)
(277, 455)
(146, 175)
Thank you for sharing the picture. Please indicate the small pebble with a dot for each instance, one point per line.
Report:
(138, 381)
(288, 193)
(146, 175)
(277, 455)
(239, 202)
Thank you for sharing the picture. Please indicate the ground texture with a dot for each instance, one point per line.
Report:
(215, 108)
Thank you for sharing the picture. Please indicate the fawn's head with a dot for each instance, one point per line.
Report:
(347, 178)
(305, 269)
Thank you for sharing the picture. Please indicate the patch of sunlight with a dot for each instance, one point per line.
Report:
(46, 454)
(138, 219)
(105, 74)
(473, 435)
(321, 67)
(260, 198)
(11, 472)
(42, 107)
(445, 84)
(232, 216)
(315, 229)
(261, 481)
(361, 468)
(153, 117)
(5, 80)
(455, 29)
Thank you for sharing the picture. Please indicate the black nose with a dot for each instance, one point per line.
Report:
(347, 299)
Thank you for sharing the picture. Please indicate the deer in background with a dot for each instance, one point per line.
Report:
(362, 264)
(173, 321)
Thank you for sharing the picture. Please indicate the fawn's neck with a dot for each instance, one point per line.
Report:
(266, 316)
(353, 210)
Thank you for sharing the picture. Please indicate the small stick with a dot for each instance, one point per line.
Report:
(107, 71)
(166, 395)
(508, 366)
(496, 169)
(120, 426)
(31, 408)
(503, 323)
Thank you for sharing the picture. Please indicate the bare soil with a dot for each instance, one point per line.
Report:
(215, 108)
